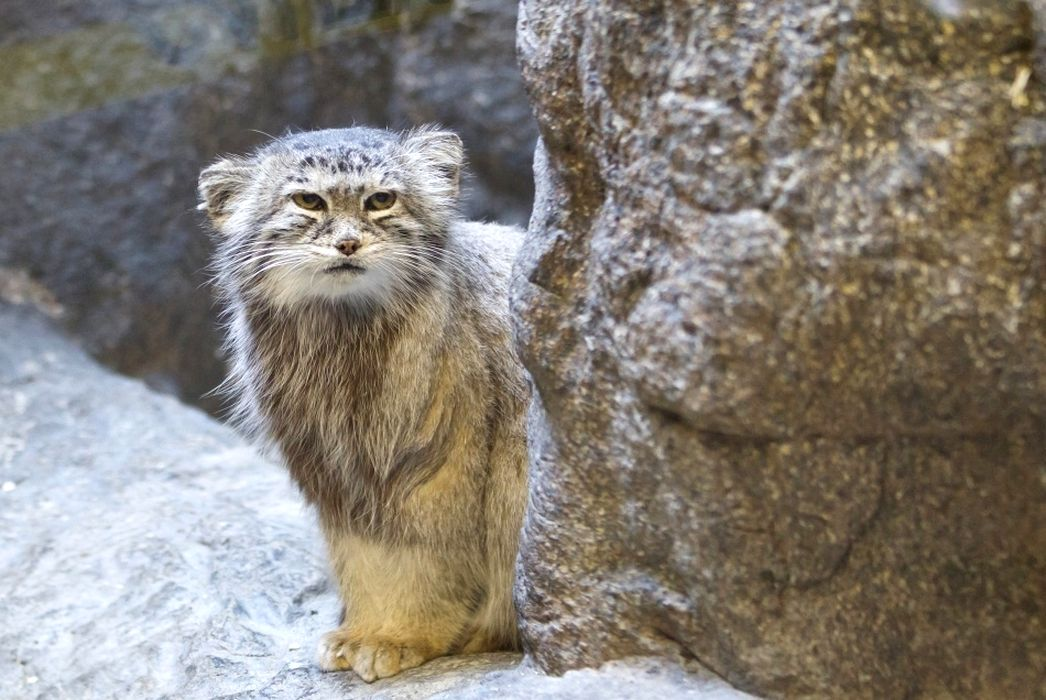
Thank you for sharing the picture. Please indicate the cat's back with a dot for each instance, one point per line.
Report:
(483, 255)
(491, 247)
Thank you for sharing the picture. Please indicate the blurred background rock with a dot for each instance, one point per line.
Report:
(109, 108)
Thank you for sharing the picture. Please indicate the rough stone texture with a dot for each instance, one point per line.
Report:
(146, 552)
(783, 300)
(109, 108)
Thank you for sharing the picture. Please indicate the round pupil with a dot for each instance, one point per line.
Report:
(310, 198)
(381, 197)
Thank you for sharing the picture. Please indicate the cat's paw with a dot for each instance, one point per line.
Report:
(371, 659)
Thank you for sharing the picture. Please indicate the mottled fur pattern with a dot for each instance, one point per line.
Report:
(385, 378)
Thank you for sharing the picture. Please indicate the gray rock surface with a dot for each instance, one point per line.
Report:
(109, 108)
(783, 300)
(146, 552)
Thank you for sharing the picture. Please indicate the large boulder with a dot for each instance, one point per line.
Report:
(783, 302)
(146, 552)
(109, 108)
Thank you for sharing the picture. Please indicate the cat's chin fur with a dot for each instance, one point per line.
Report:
(368, 289)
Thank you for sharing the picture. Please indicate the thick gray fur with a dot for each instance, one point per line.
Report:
(391, 388)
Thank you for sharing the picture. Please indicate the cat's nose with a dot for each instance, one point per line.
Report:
(348, 246)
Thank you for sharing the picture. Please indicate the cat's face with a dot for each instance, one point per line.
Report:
(348, 215)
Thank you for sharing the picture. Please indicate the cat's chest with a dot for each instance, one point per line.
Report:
(320, 379)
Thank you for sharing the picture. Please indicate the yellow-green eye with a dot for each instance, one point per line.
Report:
(308, 200)
(379, 201)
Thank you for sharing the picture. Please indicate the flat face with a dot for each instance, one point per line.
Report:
(346, 215)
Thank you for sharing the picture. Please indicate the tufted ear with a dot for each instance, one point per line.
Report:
(442, 151)
(219, 184)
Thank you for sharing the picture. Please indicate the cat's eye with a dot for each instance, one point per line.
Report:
(379, 201)
(308, 200)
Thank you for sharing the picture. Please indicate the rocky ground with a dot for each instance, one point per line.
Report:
(147, 552)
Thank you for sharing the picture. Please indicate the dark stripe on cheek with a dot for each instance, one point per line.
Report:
(321, 229)
(297, 225)
(280, 231)
(401, 232)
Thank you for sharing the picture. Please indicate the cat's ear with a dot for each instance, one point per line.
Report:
(220, 184)
(440, 150)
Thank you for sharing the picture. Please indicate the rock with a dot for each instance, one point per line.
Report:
(109, 108)
(146, 552)
(783, 302)
(446, 75)
(145, 549)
